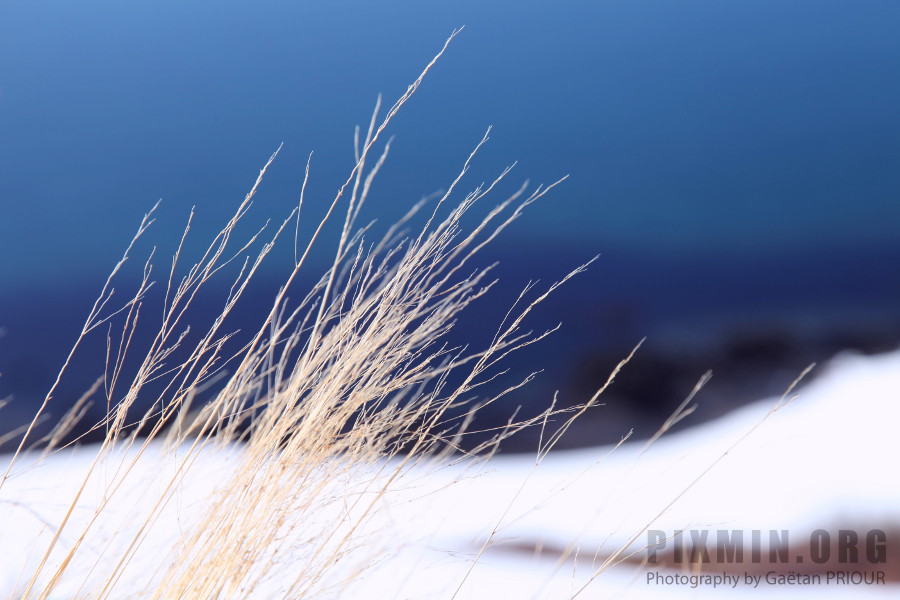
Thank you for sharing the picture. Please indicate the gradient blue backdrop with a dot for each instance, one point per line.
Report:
(732, 161)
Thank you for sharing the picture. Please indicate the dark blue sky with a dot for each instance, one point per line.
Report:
(731, 161)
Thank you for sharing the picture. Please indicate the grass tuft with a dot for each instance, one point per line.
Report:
(319, 418)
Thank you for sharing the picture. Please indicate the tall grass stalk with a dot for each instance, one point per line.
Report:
(319, 415)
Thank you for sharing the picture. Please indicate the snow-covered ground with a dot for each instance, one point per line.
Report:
(825, 461)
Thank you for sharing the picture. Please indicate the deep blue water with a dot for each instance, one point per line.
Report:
(734, 163)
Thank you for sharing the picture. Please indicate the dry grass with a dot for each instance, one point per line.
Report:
(321, 399)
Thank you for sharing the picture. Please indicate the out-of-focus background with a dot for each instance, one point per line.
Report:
(736, 165)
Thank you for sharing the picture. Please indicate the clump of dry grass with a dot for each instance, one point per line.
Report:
(321, 399)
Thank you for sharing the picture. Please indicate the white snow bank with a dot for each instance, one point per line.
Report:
(826, 461)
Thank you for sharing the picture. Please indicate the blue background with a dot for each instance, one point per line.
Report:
(736, 164)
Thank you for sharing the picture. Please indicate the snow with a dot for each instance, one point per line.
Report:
(825, 460)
